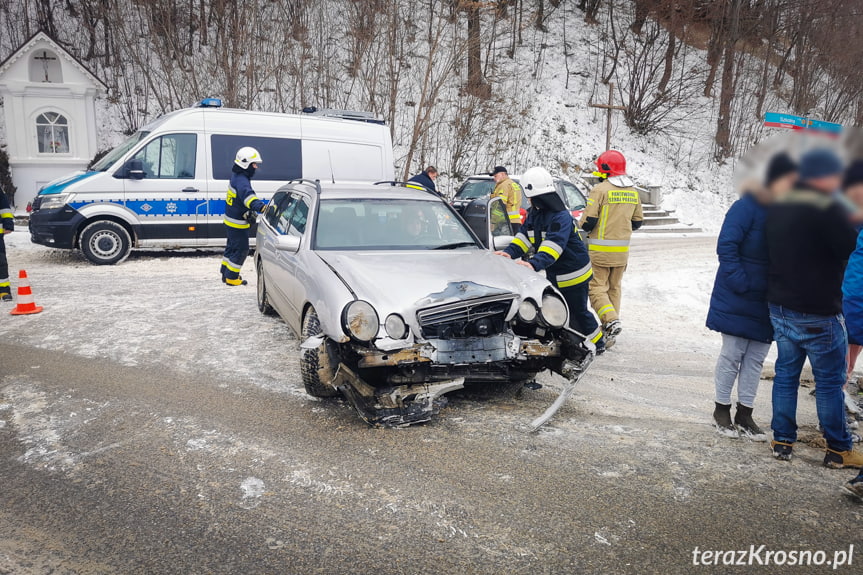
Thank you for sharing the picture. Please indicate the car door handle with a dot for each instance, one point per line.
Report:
(191, 190)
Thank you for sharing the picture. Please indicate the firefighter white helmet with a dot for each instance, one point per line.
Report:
(537, 181)
(246, 156)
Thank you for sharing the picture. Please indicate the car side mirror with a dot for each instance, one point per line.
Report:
(288, 243)
(134, 169)
(502, 242)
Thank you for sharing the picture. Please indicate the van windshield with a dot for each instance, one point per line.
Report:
(111, 157)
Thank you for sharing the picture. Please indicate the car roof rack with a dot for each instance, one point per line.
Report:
(412, 185)
(315, 183)
(367, 117)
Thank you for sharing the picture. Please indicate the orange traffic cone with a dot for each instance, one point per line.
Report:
(26, 305)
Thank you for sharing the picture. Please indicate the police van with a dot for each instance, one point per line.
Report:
(166, 185)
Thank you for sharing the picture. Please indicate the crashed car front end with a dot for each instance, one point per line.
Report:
(396, 368)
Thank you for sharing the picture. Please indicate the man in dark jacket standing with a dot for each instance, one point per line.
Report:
(809, 239)
(426, 179)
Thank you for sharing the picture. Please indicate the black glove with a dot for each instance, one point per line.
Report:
(251, 216)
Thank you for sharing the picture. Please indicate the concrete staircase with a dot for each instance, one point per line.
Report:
(659, 221)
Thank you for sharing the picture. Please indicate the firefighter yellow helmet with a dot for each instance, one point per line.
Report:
(247, 155)
(537, 181)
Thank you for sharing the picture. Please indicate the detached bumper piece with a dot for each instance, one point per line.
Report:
(394, 406)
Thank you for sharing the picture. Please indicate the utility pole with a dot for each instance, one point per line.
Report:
(609, 108)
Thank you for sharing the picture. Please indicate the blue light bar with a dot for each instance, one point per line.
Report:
(210, 103)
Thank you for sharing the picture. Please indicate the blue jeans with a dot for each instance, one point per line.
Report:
(824, 341)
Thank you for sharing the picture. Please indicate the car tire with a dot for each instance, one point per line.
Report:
(105, 243)
(310, 362)
(263, 301)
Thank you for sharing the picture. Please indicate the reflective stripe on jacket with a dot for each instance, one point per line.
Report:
(7, 218)
(559, 250)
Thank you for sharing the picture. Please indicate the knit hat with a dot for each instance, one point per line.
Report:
(780, 165)
(819, 163)
(854, 175)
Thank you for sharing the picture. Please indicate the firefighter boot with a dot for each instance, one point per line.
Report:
(722, 417)
(839, 459)
(746, 425)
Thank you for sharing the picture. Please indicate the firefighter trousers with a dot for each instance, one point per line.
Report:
(605, 291)
(4, 267)
(236, 251)
(581, 319)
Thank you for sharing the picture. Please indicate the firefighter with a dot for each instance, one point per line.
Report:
(613, 211)
(242, 205)
(505, 188)
(7, 224)
(551, 231)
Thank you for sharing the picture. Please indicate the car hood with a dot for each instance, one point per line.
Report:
(402, 282)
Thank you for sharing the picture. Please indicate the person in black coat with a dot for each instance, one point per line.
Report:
(426, 179)
(738, 305)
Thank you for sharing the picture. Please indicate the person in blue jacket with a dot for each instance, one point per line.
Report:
(426, 179)
(738, 304)
(852, 304)
(240, 203)
(551, 231)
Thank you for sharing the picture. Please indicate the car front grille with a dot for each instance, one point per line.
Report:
(478, 317)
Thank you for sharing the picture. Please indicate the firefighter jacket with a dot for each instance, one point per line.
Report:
(611, 214)
(559, 250)
(511, 194)
(240, 200)
(7, 221)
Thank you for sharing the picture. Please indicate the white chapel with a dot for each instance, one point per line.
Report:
(50, 114)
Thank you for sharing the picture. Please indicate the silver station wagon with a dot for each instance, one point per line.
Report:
(398, 300)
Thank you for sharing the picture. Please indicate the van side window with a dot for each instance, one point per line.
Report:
(286, 210)
(282, 158)
(171, 157)
(300, 217)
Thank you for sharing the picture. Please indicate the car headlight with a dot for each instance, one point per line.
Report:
(361, 320)
(554, 311)
(527, 311)
(395, 326)
(53, 201)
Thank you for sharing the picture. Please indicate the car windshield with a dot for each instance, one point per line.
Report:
(111, 157)
(473, 189)
(383, 224)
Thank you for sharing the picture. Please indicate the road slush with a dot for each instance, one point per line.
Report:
(760, 555)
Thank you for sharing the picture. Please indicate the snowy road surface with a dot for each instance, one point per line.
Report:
(151, 421)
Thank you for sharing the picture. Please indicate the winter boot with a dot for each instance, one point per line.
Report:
(746, 425)
(722, 418)
(5, 296)
(855, 487)
(612, 329)
(782, 450)
(839, 459)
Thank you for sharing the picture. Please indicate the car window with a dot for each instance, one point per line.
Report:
(282, 158)
(574, 199)
(286, 211)
(498, 219)
(299, 217)
(170, 157)
(372, 224)
(473, 189)
(271, 214)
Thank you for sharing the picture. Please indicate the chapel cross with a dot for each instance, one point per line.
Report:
(609, 107)
(45, 59)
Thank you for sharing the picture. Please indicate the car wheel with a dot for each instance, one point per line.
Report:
(105, 243)
(263, 302)
(310, 364)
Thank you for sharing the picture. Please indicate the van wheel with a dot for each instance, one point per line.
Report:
(263, 301)
(105, 243)
(311, 360)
